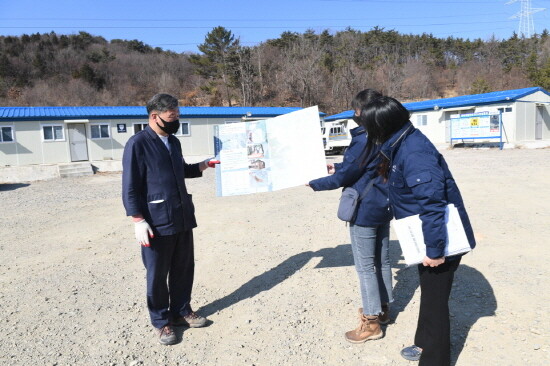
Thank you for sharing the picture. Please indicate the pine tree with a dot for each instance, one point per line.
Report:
(219, 58)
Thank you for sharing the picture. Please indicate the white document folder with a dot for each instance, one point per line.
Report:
(411, 238)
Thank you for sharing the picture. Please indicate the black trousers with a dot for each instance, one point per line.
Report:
(433, 333)
(170, 265)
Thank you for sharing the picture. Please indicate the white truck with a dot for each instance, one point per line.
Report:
(336, 135)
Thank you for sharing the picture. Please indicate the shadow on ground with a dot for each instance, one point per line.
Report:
(339, 256)
(472, 296)
(12, 187)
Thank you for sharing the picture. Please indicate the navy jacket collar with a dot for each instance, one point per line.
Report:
(357, 131)
(395, 140)
(150, 132)
(154, 135)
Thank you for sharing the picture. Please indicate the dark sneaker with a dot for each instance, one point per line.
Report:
(384, 317)
(411, 353)
(191, 320)
(167, 336)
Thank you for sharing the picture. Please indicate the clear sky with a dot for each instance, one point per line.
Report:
(181, 25)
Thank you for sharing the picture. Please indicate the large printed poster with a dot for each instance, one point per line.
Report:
(475, 126)
(268, 155)
(411, 237)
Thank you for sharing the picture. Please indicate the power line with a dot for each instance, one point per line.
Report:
(414, 2)
(254, 27)
(244, 20)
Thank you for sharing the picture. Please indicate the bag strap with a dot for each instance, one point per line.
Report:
(367, 189)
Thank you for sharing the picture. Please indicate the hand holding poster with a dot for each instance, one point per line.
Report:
(268, 155)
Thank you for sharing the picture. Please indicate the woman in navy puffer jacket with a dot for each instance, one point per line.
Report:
(369, 231)
(420, 183)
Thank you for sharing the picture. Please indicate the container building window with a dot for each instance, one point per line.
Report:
(100, 131)
(422, 120)
(184, 129)
(139, 126)
(53, 133)
(6, 134)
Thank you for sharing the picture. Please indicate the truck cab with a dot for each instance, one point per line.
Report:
(336, 135)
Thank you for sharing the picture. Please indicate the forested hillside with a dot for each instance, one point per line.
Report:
(293, 70)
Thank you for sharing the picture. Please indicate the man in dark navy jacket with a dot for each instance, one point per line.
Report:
(155, 196)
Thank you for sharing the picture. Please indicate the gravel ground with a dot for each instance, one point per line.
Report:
(274, 274)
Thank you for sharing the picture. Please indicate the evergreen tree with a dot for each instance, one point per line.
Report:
(543, 76)
(480, 86)
(532, 69)
(219, 58)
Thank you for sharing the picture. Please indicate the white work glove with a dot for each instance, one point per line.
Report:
(143, 231)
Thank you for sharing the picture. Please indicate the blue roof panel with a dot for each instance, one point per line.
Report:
(26, 113)
(69, 112)
(342, 115)
(474, 99)
(465, 100)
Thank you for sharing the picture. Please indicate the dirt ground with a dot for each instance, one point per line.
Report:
(274, 274)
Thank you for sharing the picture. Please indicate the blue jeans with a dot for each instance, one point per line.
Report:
(370, 246)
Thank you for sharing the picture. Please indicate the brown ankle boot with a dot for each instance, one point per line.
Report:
(367, 330)
(384, 317)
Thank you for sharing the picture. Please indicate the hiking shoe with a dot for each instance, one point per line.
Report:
(167, 336)
(367, 330)
(411, 353)
(384, 317)
(191, 320)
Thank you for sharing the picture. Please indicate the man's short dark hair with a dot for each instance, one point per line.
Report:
(161, 103)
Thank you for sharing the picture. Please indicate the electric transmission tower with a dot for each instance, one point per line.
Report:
(525, 15)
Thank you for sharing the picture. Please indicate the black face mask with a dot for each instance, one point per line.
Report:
(357, 119)
(169, 127)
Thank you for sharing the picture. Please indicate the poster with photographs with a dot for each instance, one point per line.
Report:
(271, 154)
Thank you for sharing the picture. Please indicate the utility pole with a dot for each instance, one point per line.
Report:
(526, 24)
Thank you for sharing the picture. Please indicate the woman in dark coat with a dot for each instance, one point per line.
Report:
(369, 230)
(420, 183)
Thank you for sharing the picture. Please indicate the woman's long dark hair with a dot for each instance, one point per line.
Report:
(363, 98)
(381, 118)
(360, 102)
